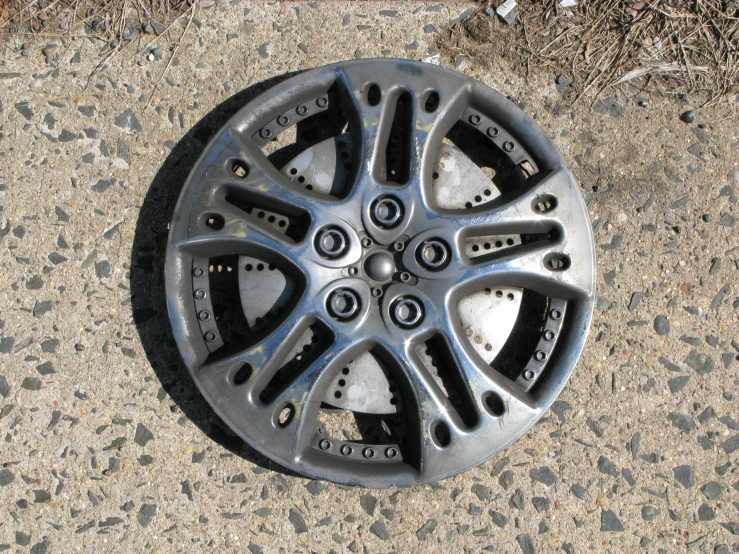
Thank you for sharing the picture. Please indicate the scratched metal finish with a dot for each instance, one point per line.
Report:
(441, 437)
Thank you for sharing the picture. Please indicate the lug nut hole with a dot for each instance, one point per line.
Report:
(387, 211)
(331, 242)
(408, 312)
(343, 304)
(433, 254)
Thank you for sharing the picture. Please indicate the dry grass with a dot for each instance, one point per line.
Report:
(683, 46)
(105, 20)
(116, 24)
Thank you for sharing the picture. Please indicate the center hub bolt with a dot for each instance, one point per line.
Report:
(433, 254)
(343, 304)
(331, 242)
(387, 211)
(408, 312)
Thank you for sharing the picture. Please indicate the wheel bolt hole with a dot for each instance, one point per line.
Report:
(215, 222)
(494, 404)
(557, 262)
(544, 203)
(441, 434)
(240, 169)
(374, 94)
(242, 375)
(430, 101)
(286, 415)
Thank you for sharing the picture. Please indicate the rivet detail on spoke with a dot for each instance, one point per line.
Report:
(198, 272)
(346, 450)
(475, 119)
(324, 444)
(210, 336)
(368, 452)
(283, 120)
(322, 102)
(204, 315)
(200, 294)
(493, 132)
(391, 452)
(528, 374)
(301, 110)
(265, 133)
(508, 146)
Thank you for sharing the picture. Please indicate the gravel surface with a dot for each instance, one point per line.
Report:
(106, 445)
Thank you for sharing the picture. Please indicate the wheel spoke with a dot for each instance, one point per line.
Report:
(478, 375)
(516, 212)
(269, 186)
(308, 388)
(529, 266)
(233, 232)
(265, 356)
(371, 118)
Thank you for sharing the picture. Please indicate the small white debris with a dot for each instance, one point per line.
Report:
(508, 11)
(433, 60)
(568, 3)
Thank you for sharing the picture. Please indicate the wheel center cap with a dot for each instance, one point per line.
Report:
(380, 266)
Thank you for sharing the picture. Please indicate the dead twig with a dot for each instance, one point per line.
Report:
(174, 53)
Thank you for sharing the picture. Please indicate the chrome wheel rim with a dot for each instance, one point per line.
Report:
(419, 258)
